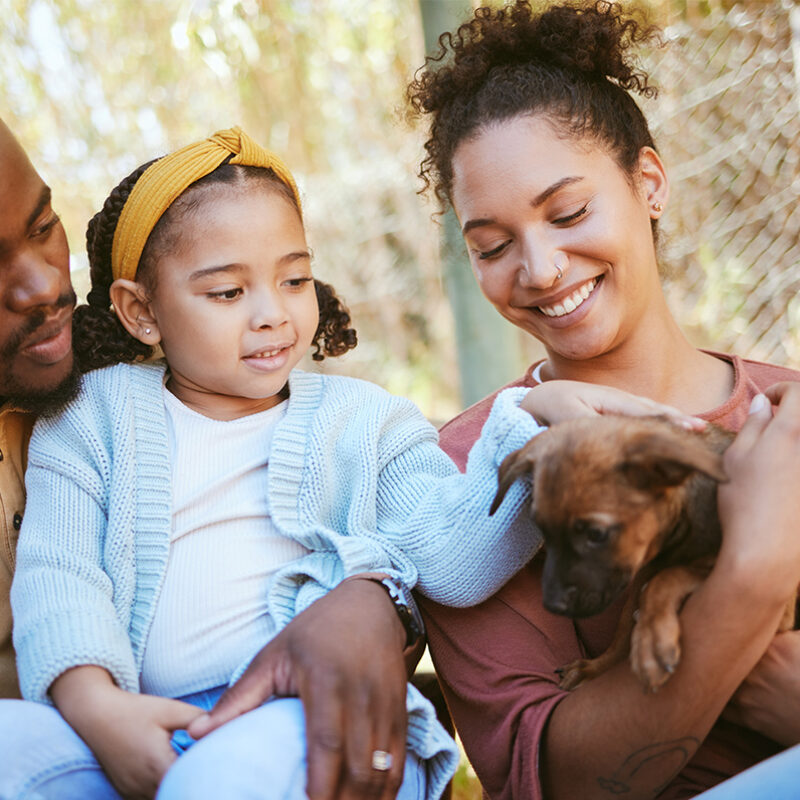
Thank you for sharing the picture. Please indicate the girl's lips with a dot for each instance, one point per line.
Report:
(268, 360)
(53, 347)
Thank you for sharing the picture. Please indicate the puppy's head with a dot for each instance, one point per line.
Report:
(605, 492)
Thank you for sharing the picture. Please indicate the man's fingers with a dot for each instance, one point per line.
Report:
(325, 737)
(371, 744)
(249, 692)
(177, 715)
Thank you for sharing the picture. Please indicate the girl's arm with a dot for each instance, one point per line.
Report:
(438, 519)
(129, 734)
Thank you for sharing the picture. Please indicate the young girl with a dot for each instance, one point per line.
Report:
(182, 511)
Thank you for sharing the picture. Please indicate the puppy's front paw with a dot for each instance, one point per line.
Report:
(573, 674)
(655, 650)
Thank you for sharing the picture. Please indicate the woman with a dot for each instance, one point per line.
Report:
(547, 161)
(552, 172)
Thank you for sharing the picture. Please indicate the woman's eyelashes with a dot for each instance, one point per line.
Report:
(561, 222)
(569, 218)
(494, 252)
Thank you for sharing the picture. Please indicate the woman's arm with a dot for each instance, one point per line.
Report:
(607, 736)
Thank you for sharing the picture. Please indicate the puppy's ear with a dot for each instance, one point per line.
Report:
(658, 460)
(514, 465)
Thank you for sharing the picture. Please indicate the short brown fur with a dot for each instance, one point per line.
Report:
(625, 501)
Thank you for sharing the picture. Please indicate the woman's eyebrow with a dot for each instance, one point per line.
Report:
(535, 203)
(552, 189)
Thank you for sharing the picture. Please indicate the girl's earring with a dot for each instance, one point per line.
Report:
(147, 330)
(657, 207)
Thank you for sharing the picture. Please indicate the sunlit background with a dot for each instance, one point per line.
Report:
(93, 88)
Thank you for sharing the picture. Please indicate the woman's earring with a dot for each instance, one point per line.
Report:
(657, 207)
(147, 330)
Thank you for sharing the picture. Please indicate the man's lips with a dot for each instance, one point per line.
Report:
(51, 342)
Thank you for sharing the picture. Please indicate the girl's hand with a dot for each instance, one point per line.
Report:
(129, 734)
(768, 699)
(559, 401)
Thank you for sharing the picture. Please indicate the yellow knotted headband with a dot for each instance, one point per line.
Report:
(166, 179)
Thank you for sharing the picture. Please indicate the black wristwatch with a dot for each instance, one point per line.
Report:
(406, 608)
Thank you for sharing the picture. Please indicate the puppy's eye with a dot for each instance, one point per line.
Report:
(597, 535)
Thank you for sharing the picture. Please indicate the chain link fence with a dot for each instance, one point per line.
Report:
(726, 121)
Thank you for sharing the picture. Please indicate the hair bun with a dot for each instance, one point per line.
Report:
(591, 38)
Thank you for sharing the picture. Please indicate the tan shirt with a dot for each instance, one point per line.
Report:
(15, 432)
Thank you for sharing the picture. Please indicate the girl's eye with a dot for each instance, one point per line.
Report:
(296, 283)
(571, 217)
(42, 230)
(495, 251)
(225, 294)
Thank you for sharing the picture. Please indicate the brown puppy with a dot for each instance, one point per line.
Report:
(624, 501)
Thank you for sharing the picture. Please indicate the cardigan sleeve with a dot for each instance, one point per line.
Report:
(63, 600)
(438, 518)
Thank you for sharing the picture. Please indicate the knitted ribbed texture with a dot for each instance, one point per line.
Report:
(355, 475)
(169, 177)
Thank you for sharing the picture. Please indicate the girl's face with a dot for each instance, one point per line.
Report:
(234, 302)
(532, 203)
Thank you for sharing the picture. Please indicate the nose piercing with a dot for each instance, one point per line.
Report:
(558, 260)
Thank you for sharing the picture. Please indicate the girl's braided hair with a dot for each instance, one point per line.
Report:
(570, 62)
(99, 338)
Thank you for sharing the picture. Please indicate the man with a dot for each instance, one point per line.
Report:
(37, 370)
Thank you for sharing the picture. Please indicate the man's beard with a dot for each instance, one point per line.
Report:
(43, 401)
(38, 401)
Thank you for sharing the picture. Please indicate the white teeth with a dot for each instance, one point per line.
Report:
(569, 304)
(265, 354)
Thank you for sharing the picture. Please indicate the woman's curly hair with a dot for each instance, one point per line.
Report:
(571, 62)
(99, 338)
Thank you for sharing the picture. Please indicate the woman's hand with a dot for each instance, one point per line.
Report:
(129, 734)
(759, 507)
(344, 657)
(559, 401)
(768, 699)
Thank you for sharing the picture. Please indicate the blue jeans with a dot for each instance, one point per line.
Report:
(259, 755)
(777, 778)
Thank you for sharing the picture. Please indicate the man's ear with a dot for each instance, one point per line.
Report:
(132, 307)
(655, 183)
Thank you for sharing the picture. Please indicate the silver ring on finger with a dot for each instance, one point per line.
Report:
(381, 760)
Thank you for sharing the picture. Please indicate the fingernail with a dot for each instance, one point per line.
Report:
(758, 403)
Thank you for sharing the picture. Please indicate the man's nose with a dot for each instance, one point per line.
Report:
(34, 283)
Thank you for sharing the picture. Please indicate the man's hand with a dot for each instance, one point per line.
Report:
(343, 657)
(768, 699)
(129, 734)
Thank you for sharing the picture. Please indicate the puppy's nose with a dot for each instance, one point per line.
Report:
(561, 602)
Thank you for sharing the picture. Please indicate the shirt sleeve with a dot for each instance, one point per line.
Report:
(62, 598)
(501, 690)
(437, 518)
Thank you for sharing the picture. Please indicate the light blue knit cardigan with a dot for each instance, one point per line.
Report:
(355, 475)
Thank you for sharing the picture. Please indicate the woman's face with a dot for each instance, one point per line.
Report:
(559, 237)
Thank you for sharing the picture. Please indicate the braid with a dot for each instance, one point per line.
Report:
(99, 338)
(334, 336)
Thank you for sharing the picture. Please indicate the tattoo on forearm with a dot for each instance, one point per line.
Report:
(651, 762)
